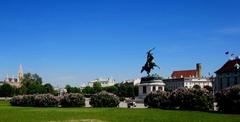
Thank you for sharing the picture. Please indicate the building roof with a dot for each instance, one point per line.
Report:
(229, 66)
(184, 73)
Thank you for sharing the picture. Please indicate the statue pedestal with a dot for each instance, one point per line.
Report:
(148, 85)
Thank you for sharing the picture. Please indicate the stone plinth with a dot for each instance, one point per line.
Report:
(148, 85)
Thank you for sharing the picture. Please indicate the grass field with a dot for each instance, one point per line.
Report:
(29, 114)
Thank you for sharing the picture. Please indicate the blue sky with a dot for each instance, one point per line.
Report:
(71, 42)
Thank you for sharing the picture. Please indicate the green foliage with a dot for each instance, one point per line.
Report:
(72, 100)
(6, 90)
(88, 90)
(111, 89)
(48, 88)
(136, 90)
(72, 89)
(229, 99)
(31, 114)
(97, 87)
(196, 87)
(126, 90)
(32, 84)
(104, 99)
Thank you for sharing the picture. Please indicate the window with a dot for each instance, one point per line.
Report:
(235, 81)
(154, 88)
(160, 88)
(228, 81)
(144, 89)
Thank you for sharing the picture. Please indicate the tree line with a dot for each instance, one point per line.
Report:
(33, 84)
(121, 90)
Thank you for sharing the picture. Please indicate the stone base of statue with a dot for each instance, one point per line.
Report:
(149, 84)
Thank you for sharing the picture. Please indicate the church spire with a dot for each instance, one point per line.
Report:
(20, 73)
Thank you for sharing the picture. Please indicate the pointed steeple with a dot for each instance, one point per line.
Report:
(20, 73)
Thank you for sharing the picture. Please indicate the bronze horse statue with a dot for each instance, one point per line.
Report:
(150, 64)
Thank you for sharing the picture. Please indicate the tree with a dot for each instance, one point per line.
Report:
(136, 90)
(97, 87)
(48, 88)
(6, 90)
(32, 84)
(72, 89)
(126, 90)
(111, 89)
(88, 90)
(68, 88)
(209, 88)
(196, 87)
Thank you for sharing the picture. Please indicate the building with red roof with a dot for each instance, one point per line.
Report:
(187, 78)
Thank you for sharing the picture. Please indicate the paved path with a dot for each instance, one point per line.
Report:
(121, 105)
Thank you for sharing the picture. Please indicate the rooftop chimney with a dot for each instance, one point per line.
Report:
(199, 70)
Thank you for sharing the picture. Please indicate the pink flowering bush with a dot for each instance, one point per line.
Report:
(22, 100)
(229, 99)
(46, 100)
(192, 99)
(104, 99)
(158, 99)
(72, 100)
(39, 100)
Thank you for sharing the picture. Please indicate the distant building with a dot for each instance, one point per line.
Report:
(188, 73)
(172, 84)
(187, 78)
(132, 81)
(15, 81)
(228, 75)
(105, 82)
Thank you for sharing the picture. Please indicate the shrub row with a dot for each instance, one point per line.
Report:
(48, 100)
(229, 100)
(181, 98)
(102, 99)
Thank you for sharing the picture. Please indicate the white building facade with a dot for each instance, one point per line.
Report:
(105, 82)
(132, 81)
(172, 84)
(187, 78)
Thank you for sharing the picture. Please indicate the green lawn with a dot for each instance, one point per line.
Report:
(29, 114)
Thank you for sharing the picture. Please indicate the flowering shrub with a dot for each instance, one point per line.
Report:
(46, 100)
(158, 99)
(22, 100)
(16, 101)
(229, 99)
(72, 100)
(192, 99)
(28, 100)
(104, 99)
